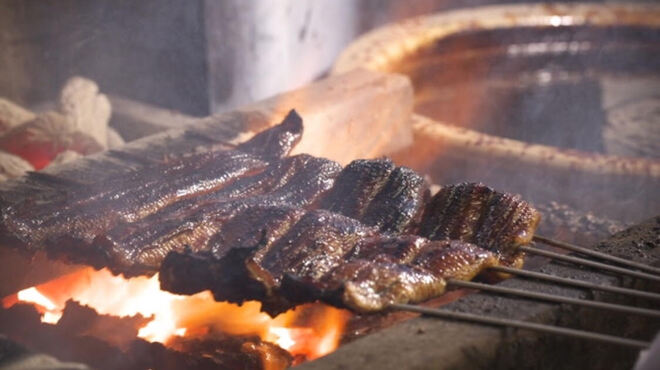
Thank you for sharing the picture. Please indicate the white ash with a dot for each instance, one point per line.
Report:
(12, 115)
(12, 166)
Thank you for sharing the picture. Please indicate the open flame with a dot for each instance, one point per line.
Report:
(308, 331)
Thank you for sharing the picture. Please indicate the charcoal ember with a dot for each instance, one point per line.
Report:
(10, 350)
(85, 321)
(270, 356)
(72, 341)
(145, 355)
(236, 352)
(22, 323)
(475, 213)
(43, 138)
(16, 357)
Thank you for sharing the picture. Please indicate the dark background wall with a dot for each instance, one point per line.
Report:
(153, 51)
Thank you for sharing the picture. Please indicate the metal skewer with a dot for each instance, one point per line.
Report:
(593, 253)
(522, 325)
(585, 262)
(577, 283)
(555, 298)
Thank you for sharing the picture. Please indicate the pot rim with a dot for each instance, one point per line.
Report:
(385, 46)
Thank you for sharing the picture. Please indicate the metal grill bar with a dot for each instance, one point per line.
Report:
(577, 283)
(593, 253)
(653, 276)
(585, 262)
(555, 298)
(522, 325)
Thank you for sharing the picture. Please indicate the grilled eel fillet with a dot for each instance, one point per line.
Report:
(141, 246)
(83, 213)
(288, 256)
(130, 223)
(396, 204)
(474, 213)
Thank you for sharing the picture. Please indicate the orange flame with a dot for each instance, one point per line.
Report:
(308, 331)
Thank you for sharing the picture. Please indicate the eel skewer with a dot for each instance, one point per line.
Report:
(554, 298)
(589, 263)
(593, 253)
(522, 325)
(576, 282)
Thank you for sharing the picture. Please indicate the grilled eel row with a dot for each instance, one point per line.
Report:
(250, 222)
(289, 256)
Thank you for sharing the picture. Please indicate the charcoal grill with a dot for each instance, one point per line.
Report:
(345, 103)
(487, 305)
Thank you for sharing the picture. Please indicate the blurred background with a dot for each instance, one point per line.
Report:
(195, 56)
(590, 89)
